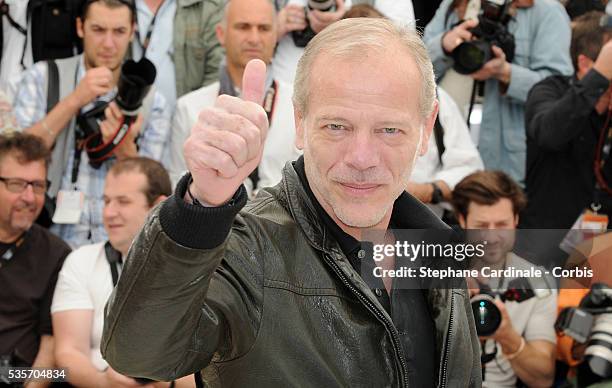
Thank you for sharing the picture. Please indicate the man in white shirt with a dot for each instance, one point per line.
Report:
(450, 157)
(523, 346)
(133, 186)
(248, 31)
(292, 16)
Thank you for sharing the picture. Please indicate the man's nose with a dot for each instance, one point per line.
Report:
(108, 40)
(362, 152)
(254, 36)
(110, 210)
(28, 195)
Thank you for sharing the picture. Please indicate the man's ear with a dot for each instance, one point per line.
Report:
(299, 128)
(584, 64)
(79, 27)
(427, 129)
(220, 32)
(516, 220)
(158, 200)
(462, 221)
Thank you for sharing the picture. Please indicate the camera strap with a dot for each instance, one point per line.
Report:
(145, 45)
(98, 151)
(602, 155)
(115, 262)
(269, 103)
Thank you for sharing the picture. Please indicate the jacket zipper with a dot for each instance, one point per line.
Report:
(448, 342)
(394, 335)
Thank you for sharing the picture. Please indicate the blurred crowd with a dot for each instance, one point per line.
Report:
(97, 98)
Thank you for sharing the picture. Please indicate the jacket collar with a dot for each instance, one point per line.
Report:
(408, 212)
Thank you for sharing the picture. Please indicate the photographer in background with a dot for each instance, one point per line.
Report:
(133, 186)
(541, 34)
(567, 120)
(84, 82)
(296, 21)
(30, 256)
(523, 346)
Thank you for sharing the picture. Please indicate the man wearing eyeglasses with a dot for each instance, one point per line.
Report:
(85, 82)
(30, 256)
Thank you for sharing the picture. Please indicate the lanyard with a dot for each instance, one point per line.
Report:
(145, 45)
(10, 252)
(115, 261)
(268, 104)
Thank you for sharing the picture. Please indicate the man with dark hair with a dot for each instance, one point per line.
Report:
(30, 256)
(133, 187)
(568, 134)
(83, 83)
(491, 201)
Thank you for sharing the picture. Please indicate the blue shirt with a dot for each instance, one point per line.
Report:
(542, 35)
(30, 106)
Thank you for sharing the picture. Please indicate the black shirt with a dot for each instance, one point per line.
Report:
(407, 307)
(563, 130)
(27, 282)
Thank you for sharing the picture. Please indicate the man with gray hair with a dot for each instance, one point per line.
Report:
(271, 294)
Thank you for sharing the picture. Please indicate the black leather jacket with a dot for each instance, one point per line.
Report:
(270, 302)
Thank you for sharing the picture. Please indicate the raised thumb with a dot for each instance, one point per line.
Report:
(254, 81)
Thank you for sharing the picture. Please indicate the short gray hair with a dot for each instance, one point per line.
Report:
(352, 36)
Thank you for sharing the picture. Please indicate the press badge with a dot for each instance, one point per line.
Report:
(69, 206)
(588, 225)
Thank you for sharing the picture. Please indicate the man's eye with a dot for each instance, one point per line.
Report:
(390, 130)
(335, 127)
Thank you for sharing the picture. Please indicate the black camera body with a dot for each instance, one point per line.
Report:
(591, 323)
(301, 38)
(470, 56)
(134, 84)
(486, 314)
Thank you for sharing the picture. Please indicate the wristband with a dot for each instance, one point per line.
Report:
(512, 356)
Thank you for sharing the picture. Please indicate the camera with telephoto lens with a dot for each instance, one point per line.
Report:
(301, 38)
(591, 323)
(486, 314)
(491, 30)
(135, 81)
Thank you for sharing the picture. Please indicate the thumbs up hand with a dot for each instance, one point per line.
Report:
(227, 142)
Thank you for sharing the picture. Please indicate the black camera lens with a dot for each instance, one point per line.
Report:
(134, 83)
(486, 314)
(471, 56)
(322, 5)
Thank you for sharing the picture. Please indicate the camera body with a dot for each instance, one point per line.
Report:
(301, 38)
(134, 84)
(470, 56)
(591, 323)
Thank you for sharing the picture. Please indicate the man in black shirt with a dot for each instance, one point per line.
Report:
(30, 256)
(567, 128)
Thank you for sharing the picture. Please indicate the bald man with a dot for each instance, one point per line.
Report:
(247, 31)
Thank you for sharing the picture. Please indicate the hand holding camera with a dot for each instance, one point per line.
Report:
(319, 19)
(459, 34)
(497, 68)
(113, 119)
(291, 18)
(97, 82)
